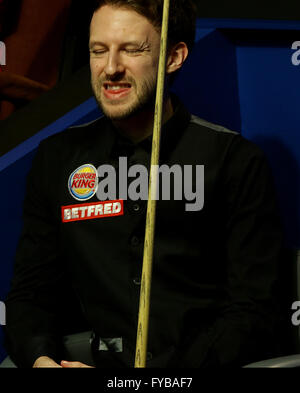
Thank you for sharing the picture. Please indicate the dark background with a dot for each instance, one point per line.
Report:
(248, 9)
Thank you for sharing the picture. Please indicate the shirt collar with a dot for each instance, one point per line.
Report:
(173, 128)
(170, 135)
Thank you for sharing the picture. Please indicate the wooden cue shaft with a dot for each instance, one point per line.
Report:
(144, 307)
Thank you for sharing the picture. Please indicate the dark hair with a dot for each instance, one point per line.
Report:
(182, 21)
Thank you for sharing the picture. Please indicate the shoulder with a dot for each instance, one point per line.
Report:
(213, 136)
(220, 143)
(213, 128)
(76, 136)
(71, 146)
(222, 133)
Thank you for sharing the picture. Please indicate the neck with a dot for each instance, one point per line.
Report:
(140, 126)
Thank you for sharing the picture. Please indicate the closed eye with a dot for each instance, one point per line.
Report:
(135, 51)
(97, 52)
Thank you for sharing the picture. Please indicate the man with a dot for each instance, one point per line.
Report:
(213, 299)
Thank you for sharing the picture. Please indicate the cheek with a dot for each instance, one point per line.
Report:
(142, 69)
(96, 67)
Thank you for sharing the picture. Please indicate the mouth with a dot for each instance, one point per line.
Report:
(116, 90)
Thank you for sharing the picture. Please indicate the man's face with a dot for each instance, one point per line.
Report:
(124, 56)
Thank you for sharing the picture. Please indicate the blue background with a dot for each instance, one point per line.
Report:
(250, 86)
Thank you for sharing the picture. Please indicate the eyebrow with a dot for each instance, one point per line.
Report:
(143, 44)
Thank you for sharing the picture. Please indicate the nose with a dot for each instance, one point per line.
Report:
(113, 65)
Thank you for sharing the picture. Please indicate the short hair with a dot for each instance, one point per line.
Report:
(182, 19)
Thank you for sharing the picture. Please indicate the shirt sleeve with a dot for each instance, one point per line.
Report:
(245, 331)
(33, 304)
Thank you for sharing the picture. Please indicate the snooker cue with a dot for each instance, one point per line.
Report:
(144, 306)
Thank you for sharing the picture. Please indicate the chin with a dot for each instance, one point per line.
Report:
(115, 114)
(119, 112)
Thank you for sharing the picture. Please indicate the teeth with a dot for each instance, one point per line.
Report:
(116, 87)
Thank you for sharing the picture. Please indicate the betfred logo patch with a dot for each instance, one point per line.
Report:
(91, 211)
(83, 183)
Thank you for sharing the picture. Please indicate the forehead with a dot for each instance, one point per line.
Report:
(120, 24)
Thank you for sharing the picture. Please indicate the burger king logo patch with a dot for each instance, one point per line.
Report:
(83, 182)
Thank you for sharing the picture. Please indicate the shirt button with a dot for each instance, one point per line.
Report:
(137, 281)
(136, 207)
(135, 241)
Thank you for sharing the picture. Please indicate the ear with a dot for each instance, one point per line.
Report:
(177, 56)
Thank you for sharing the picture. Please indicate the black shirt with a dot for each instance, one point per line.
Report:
(214, 270)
